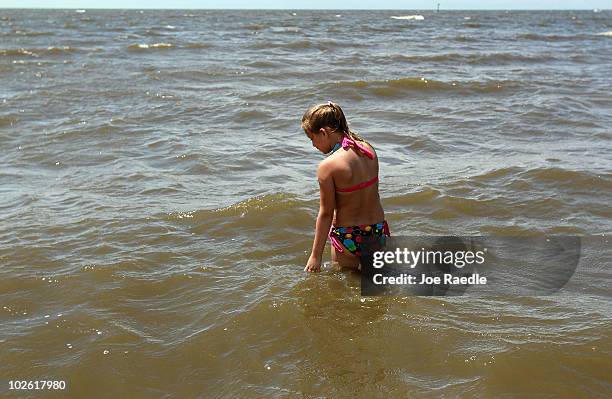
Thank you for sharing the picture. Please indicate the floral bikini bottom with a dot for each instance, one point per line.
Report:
(355, 237)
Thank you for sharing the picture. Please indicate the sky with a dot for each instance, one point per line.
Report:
(315, 4)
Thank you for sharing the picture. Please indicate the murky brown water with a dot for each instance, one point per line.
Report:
(157, 200)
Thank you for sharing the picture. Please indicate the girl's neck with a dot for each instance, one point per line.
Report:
(336, 147)
(338, 139)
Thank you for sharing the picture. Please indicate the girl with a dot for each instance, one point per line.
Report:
(348, 183)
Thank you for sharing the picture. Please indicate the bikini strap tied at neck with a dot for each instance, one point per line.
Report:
(350, 142)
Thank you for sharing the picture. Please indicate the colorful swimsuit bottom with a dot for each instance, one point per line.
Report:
(353, 238)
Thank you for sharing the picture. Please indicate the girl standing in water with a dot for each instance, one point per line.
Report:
(349, 211)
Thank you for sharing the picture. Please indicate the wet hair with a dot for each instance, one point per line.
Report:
(328, 115)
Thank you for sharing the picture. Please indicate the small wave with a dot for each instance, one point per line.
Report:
(28, 33)
(452, 205)
(406, 143)
(155, 46)
(476, 59)
(465, 39)
(497, 174)
(443, 206)
(393, 87)
(425, 196)
(133, 330)
(378, 29)
(262, 64)
(193, 164)
(18, 52)
(472, 25)
(14, 201)
(251, 116)
(36, 52)
(279, 95)
(61, 50)
(256, 26)
(162, 191)
(570, 178)
(509, 231)
(292, 45)
(198, 45)
(548, 38)
(285, 29)
(7, 120)
(160, 30)
(271, 210)
(409, 17)
(36, 62)
(116, 29)
(608, 33)
(300, 44)
(195, 75)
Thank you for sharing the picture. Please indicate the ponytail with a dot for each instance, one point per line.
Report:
(328, 115)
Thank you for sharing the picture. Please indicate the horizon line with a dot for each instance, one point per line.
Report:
(308, 9)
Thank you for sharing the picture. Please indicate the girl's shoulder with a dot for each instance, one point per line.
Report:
(368, 146)
(334, 162)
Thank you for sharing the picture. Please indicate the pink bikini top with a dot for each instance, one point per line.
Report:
(349, 142)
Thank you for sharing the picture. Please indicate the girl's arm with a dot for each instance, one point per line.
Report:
(327, 205)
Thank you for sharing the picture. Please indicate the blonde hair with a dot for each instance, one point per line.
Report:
(328, 115)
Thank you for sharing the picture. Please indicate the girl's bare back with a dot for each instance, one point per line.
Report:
(362, 205)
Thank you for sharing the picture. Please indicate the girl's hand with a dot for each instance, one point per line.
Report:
(313, 265)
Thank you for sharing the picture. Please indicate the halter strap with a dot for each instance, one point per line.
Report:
(336, 148)
(350, 142)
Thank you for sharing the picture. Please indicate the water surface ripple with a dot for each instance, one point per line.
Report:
(157, 199)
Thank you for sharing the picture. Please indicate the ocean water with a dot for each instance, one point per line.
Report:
(158, 197)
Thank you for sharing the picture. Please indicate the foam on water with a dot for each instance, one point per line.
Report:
(144, 46)
(409, 17)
